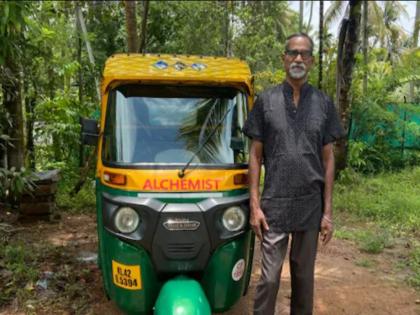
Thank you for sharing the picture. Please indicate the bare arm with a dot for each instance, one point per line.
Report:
(257, 218)
(326, 223)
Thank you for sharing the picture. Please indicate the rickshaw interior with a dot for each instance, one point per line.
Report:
(167, 125)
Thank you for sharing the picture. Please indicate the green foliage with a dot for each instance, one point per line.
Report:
(12, 25)
(21, 263)
(18, 260)
(370, 239)
(262, 28)
(13, 183)
(414, 264)
(57, 131)
(389, 199)
(83, 202)
(378, 130)
(374, 242)
(191, 21)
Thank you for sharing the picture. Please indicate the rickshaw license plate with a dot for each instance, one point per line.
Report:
(126, 276)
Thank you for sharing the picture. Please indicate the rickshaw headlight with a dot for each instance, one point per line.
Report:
(233, 219)
(126, 220)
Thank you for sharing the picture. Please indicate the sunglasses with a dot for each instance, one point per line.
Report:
(305, 54)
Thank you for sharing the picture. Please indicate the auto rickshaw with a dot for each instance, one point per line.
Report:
(171, 183)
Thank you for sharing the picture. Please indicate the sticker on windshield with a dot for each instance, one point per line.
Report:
(126, 276)
(238, 270)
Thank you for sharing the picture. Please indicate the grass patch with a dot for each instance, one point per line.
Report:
(391, 200)
(23, 265)
(369, 240)
(414, 264)
(83, 202)
(374, 243)
(384, 208)
(17, 270)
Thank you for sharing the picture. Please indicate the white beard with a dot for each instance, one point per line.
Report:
(297, 70)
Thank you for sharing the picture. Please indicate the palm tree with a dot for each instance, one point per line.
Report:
(301, 3)
(131, 26)
(415, 43)
(143, 30)
(365, 45)
(382, 17)
(308, 25)
(416, 25)
(348, 42)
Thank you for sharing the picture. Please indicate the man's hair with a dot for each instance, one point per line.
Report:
(300, 34)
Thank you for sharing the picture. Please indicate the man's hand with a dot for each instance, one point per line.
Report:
(258, 222)
(326, 230)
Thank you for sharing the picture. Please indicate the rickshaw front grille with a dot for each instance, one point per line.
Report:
(177, 248)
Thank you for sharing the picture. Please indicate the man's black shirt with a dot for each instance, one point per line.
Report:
(293, 137)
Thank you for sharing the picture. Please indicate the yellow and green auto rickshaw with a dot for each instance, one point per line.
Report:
(171, 183)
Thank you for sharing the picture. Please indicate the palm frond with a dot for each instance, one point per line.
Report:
(334, 11)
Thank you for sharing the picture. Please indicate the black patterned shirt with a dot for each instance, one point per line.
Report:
(293, 137)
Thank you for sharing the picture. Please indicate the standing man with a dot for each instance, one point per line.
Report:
(292, 127)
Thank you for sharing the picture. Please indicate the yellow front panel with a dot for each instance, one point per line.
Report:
(169, 181)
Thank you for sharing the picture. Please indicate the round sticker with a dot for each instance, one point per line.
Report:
(238, 270)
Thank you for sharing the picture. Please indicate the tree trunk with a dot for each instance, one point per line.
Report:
(226, 28)
(308, 27)
(30, 145)
(416, 25)
(131, 26)
(301, 16)
(365, 47)
(12, 98)
(143, 31)
(415, 43)
(88, 48)
(321, 41)
(79, 60)
(347, 46)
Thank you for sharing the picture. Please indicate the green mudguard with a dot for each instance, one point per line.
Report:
(182, 296)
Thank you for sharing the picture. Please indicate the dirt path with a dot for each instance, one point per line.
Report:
(347, 281)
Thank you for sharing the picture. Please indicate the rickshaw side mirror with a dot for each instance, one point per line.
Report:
(237, 144)
(89, 131)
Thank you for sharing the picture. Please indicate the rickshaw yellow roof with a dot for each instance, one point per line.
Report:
(219, 70)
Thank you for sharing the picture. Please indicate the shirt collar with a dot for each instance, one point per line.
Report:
(289, 89)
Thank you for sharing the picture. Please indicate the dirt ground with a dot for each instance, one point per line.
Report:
(347, 281)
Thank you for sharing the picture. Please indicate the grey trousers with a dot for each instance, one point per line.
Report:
(302, 264)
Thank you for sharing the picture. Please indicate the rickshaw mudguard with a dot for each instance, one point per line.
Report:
(182, 296)
(228, 272)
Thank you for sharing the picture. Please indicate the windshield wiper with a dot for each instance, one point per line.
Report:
(181, 173)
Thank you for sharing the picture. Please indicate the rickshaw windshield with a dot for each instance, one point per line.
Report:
(168, 124)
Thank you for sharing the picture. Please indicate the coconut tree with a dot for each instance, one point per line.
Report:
(301, 4)
(348, 42)
(131, 26)
(365, 45)
(416, 25)
(381, 26)
(415, 42)
(143, 31)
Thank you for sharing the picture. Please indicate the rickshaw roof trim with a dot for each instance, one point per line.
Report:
(131, 67)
